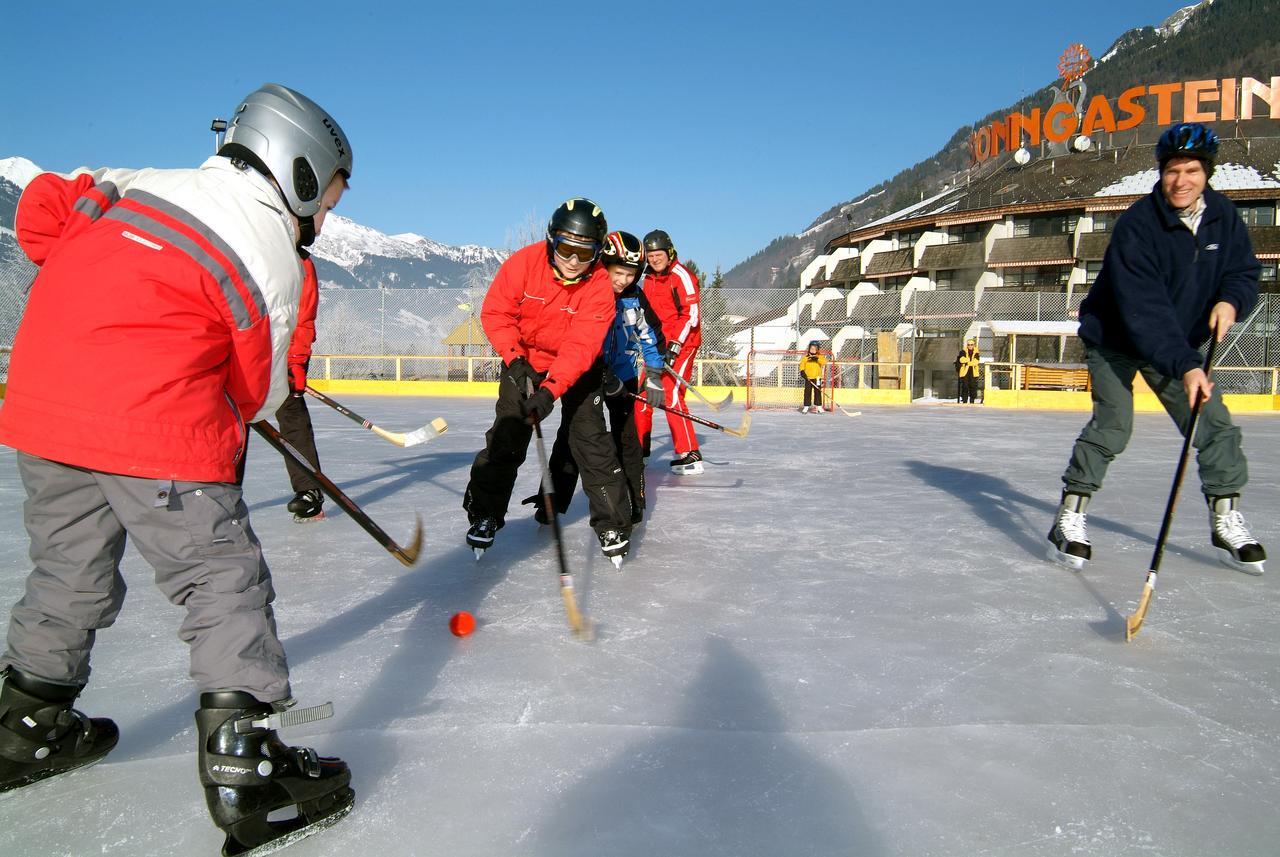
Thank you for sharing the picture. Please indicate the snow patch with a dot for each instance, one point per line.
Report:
(20, 171)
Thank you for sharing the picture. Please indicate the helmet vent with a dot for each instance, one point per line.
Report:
(305, 183)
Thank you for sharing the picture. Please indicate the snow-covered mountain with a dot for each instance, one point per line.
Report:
(351, 255)
(348, 254)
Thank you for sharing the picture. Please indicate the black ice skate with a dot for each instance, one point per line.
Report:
(1237, 548)
(251, 778)
(1069, 538)
(614, 544)
(307, 506)
(42, 736)
(480, 536)
(689, 464)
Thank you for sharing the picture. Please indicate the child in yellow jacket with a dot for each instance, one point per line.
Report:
(812, 365)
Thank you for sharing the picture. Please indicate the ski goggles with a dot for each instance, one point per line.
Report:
(567, 249)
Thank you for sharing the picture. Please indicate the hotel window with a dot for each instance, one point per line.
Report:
(1105, 221)
(1269, 281)
(1091, 271)
(945, 280)
(966, 233)
(909, 239)
(894, 284)
(1038, 278)
(1036, 227)
(1257, 214)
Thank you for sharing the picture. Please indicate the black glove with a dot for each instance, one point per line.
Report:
(673, 351)
(653, 392)
(538, 407)
(521, 371)
(612, 385)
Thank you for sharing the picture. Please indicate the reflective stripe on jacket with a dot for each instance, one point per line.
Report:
(159, 320)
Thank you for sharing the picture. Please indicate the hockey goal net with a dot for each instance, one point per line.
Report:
(775, 383)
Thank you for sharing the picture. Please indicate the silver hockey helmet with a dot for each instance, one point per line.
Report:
(282, 133)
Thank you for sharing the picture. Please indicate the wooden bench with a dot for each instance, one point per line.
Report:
(1054, 378)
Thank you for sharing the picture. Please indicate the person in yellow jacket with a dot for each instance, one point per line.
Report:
(968, 366)
(812, 365)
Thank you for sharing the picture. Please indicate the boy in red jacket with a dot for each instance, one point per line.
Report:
(182, 287)
(546, 315)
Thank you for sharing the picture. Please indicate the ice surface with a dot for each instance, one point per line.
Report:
(842, 639)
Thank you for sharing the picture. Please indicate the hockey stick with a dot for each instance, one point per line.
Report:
(740, 431)
(848, 413)
(407, 556)
(580, 627)
(715, 406)
(1134, 621)
(431, 430)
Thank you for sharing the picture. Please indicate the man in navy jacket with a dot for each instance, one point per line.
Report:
(1179, 269)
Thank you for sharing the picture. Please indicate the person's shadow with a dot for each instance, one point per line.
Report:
(723, 779)
(1024, 519)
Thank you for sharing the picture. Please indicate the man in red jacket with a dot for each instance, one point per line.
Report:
(182, 287)
(672, 291)
(546, 315)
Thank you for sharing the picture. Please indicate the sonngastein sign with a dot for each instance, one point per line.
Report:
(1201, 101)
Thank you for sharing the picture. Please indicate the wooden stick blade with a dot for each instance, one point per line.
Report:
(741, 431)
(408, 556)
(1133, 622)
(578, 625)
(430, 431)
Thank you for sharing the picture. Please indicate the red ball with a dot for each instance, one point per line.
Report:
(462, 624)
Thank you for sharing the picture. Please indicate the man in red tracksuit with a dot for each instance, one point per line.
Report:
(182, 287)
(672, 291)
(546, 315)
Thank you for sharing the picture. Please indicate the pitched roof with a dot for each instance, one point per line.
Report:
(1093, 246)
(891, 263)
(945, 257)
(1033, 250)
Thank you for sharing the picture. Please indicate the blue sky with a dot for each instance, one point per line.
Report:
(727, 124)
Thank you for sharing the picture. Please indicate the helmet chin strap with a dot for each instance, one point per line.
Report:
(306, 231)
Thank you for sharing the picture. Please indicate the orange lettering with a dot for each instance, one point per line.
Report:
(1019, 123)
(1194, 92)
(1164, 101)
(1098, 115)
(1127, 103)
(1249, 88)
(999, 134)
(1229, 100)
(1056, 131)
(982, 144)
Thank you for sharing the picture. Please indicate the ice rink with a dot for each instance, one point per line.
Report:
(842, 639)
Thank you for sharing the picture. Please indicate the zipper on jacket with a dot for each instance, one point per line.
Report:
(241, 431)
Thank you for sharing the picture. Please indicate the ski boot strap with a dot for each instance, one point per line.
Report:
(285, 719)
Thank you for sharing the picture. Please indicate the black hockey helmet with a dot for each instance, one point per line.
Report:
(579, 216)
(623, 248)
(659, 240)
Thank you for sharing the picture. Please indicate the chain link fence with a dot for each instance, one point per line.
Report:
(435, 334)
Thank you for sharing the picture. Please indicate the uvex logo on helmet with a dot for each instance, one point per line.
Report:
(337, 140)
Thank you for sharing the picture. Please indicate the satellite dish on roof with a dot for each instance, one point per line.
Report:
(1081, 143)
(1022, 156)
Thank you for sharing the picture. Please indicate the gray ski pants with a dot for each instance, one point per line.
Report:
(1221, 461)
(195, 535)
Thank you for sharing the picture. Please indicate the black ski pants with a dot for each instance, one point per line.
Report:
(590, 448)
(295, 427)
(627, 448)
(968, 389)
(812, 393)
